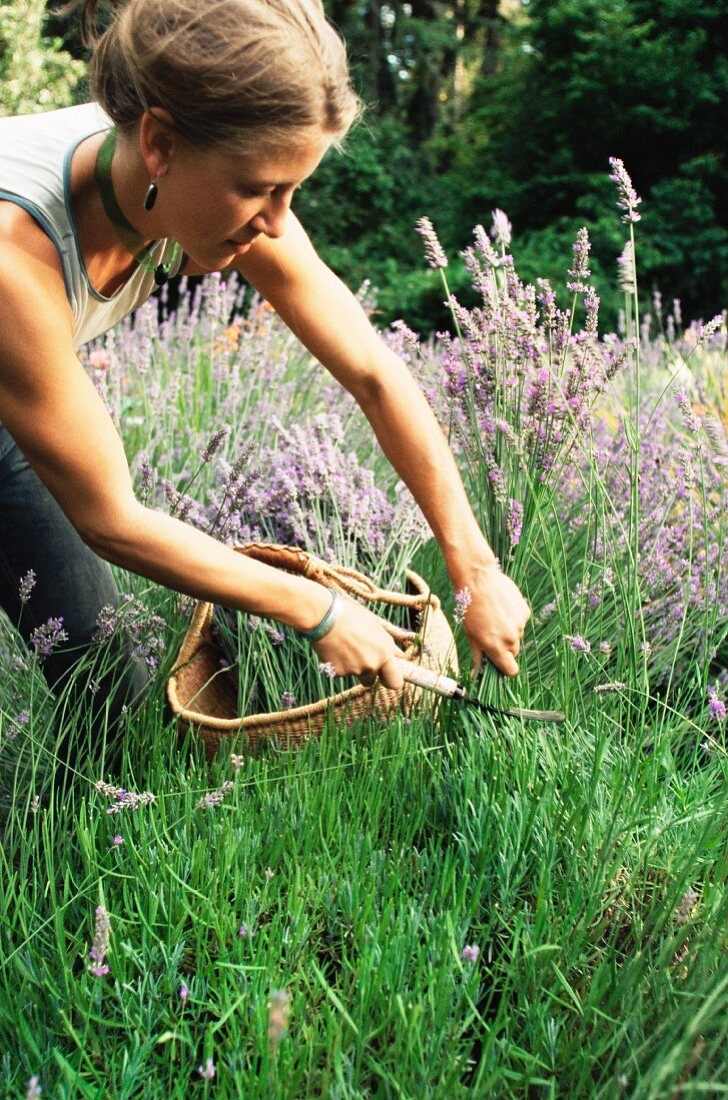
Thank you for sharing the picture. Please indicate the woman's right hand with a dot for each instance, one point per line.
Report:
(358, 645)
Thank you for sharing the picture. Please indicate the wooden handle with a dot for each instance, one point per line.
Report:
(429, 679)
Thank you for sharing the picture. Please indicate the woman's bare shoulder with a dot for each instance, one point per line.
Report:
(29, 260)
(36, 317)
(18, 228)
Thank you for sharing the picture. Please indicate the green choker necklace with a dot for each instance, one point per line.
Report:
(127, 233)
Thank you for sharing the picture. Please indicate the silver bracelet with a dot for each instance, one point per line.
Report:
(329, 620)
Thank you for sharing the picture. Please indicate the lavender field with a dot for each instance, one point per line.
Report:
(446, 906)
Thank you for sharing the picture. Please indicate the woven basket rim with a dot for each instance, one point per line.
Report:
(196, 640)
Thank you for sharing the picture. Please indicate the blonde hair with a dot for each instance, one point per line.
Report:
(229, 72)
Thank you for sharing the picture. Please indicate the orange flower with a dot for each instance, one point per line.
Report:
(230, 339)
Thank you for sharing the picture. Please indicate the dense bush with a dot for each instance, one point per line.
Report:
(36, 74)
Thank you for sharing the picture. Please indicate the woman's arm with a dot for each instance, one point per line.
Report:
(328, 319)
(53, 411)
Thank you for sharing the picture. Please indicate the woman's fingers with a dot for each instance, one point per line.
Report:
(359, 645)
(502, 654)
(496, 622)
(390, 674)
(503, 660)
(507, 664)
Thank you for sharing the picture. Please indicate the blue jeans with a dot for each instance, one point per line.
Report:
(93, 683)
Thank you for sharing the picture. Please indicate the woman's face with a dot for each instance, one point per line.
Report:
(217, 204)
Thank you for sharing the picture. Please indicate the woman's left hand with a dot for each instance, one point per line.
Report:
(495, 619)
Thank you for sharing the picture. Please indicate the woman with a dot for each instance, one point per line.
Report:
(207, 117)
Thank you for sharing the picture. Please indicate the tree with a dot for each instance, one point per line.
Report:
(583, 80)
(36, 74)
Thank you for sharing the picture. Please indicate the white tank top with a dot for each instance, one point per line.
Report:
(35, 173)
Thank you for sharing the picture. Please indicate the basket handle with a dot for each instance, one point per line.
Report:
(341, 577)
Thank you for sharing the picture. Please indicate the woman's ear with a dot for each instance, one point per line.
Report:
(159, 140)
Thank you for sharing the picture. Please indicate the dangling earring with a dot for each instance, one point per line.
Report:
(151, 196)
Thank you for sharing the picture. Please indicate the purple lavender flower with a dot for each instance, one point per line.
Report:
(578, 644)
(690, 420)
(315, 490)
(501, 230)
(514, 521)
(276, 635)
(288, 700)
(716, 705)
(547, 299)
(148, 479)
(626, 269)
(327, 669)
(124, 800)
(180, 503)
(408, 337)
(132, 619)
(107, 622)
(47, 636)
(484, 248)
(100, 948)
(580, 272)
(591, 308)
(470, 952)
(118, 839)
(26, 586)
(34, 1090)
(685, 906)
(245, 931)
(711, 328)
(463, 600)
(214, 443)
(207, 1072)
(628, 200)
(214, 798)
(434, 252)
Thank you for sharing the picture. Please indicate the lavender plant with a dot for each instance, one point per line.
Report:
(596, 500)
(292, 460)
(518, 390)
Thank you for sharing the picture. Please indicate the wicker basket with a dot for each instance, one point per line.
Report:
(203, 694)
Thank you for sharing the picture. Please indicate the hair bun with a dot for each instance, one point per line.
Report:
(229, 72)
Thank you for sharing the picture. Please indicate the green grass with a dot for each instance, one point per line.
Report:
(563, 852)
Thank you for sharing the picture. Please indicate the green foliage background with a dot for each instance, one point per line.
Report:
(36, 73)
(553, 88)
(516, 104)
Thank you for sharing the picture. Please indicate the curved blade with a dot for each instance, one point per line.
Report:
(451, 689)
